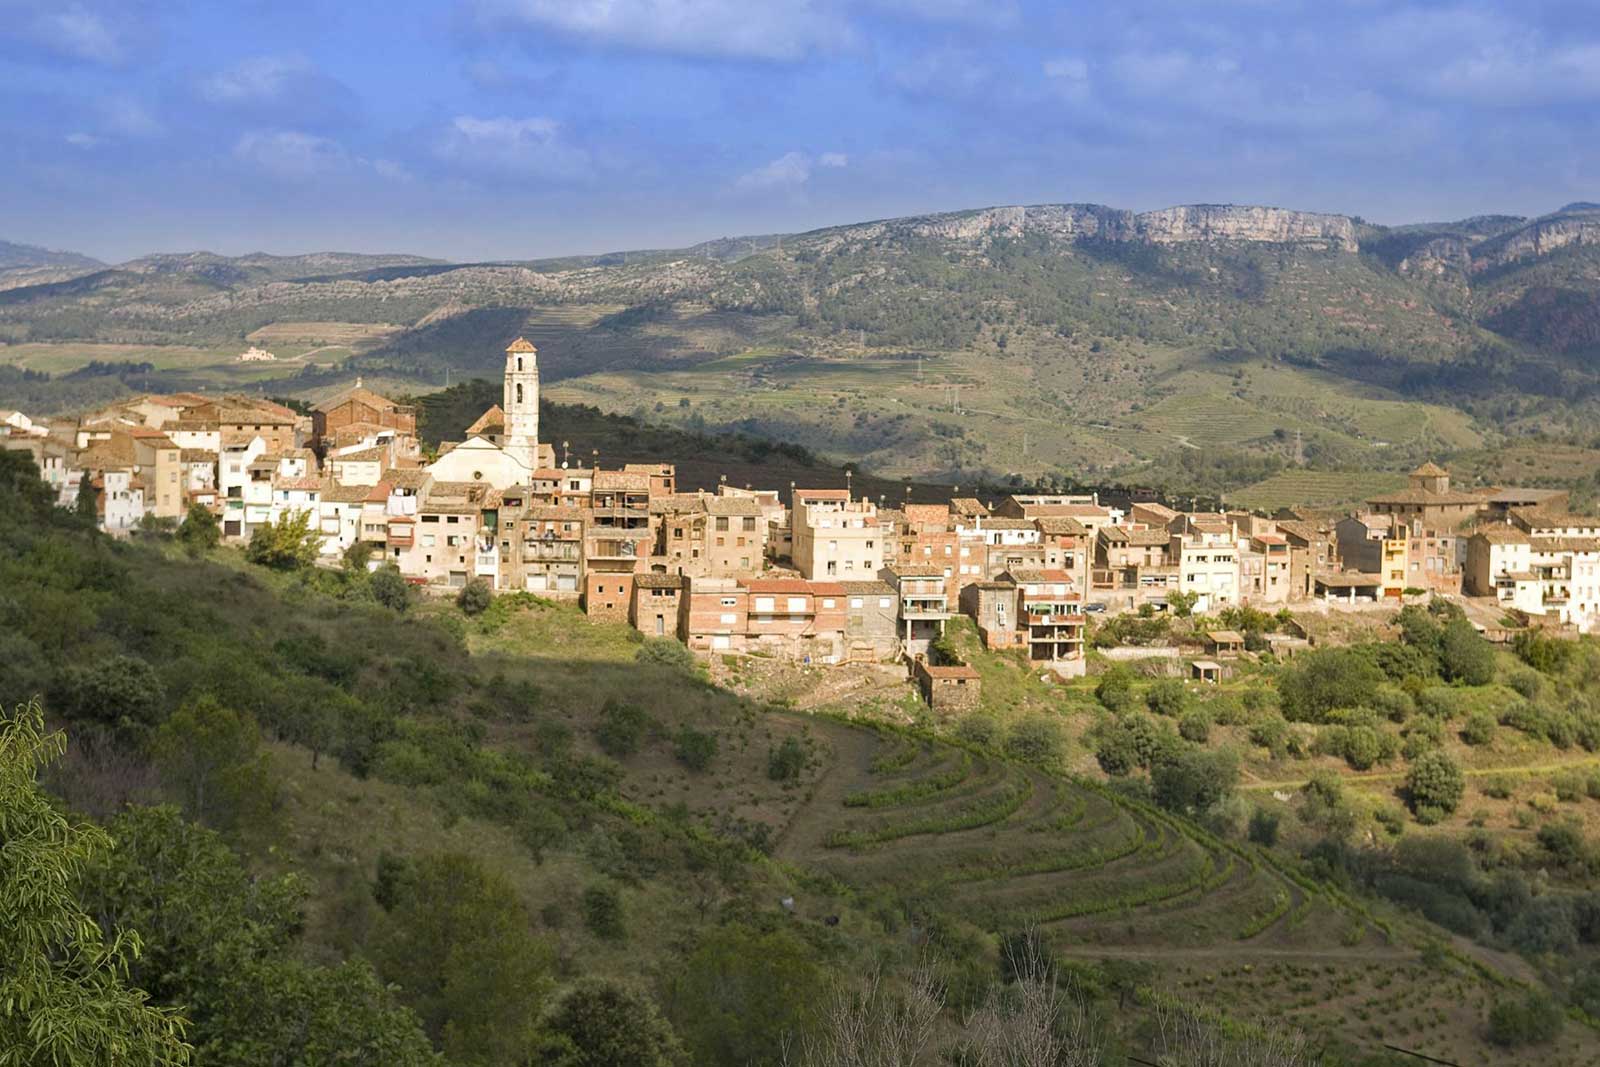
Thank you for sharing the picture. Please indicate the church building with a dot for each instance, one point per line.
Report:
(502, 447)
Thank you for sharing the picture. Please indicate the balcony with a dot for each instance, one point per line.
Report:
(486, 564)
(550, 551)
(1052, 618)
(614, 551)
(931, 609)
(402, 534)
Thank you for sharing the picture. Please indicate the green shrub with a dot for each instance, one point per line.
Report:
(1500, 787)
(120, 691)
(1115, 689)
(1479, 728)
(1394, 704)
(1527, 683)
(978, 728)
(1194, 780)
(1532, 1019)
(1466, 657)
(1195, 725)
(1434, 785)
(695, 749)
(1361, 749)
(1392, 819)
(1038, 739)
(602, 912)
(665, 652)
(1541, 652)
(1168, 696)
(1264, 827)
(475, 597)
(601, 1021)
(1567, 786)
(1115, 751)
(785, 762)
(1422, 734)
(390, 588)
(1271, 734)
(1321, 680)
(1438, 703)
(621, 729)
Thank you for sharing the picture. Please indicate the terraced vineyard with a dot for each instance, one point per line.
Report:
(1008, 844)
(1005, 845)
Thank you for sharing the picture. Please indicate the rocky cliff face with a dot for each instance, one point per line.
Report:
(1174, 225)
(1440, 257)
(1539, 238)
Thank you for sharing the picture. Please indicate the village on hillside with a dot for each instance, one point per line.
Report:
(819, 575)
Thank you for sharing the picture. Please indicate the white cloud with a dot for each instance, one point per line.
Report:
(291, 153)
(259, 78)
(517, 147)
(81, 33)
(85, 31)
(285, 90)
(789, 172)
(774, 30)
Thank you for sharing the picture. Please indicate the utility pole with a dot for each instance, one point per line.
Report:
(919, 367)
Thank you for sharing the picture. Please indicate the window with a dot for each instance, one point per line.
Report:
(766, 603)
(796, 604)
(884, 602)
(855, 602)
(519, 392)
(722, 523)
(729, 601)
(749, 524)
(827, 602)
(728, 618)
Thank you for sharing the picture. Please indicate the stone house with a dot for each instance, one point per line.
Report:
(872, 620)
(949, 689)
(658, 604)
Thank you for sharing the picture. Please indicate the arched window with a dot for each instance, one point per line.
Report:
(519, 362)
(519, 392)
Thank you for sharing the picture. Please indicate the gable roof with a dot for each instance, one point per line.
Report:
(359, 395)
(490, 421)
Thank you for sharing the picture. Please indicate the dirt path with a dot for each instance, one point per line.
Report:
(1470, 772)
(1243, 952)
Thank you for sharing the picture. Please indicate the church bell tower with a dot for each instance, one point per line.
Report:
(521, 405)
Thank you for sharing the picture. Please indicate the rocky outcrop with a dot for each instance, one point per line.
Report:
(1226, 222)
(1174, 225)
(1538, 238)
(1440, 257)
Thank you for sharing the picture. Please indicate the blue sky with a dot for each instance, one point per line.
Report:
(474, 129)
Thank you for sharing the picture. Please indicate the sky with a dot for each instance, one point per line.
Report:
(516, 129)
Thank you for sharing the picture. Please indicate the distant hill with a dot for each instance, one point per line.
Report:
(1037, 339)
(31, 265)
